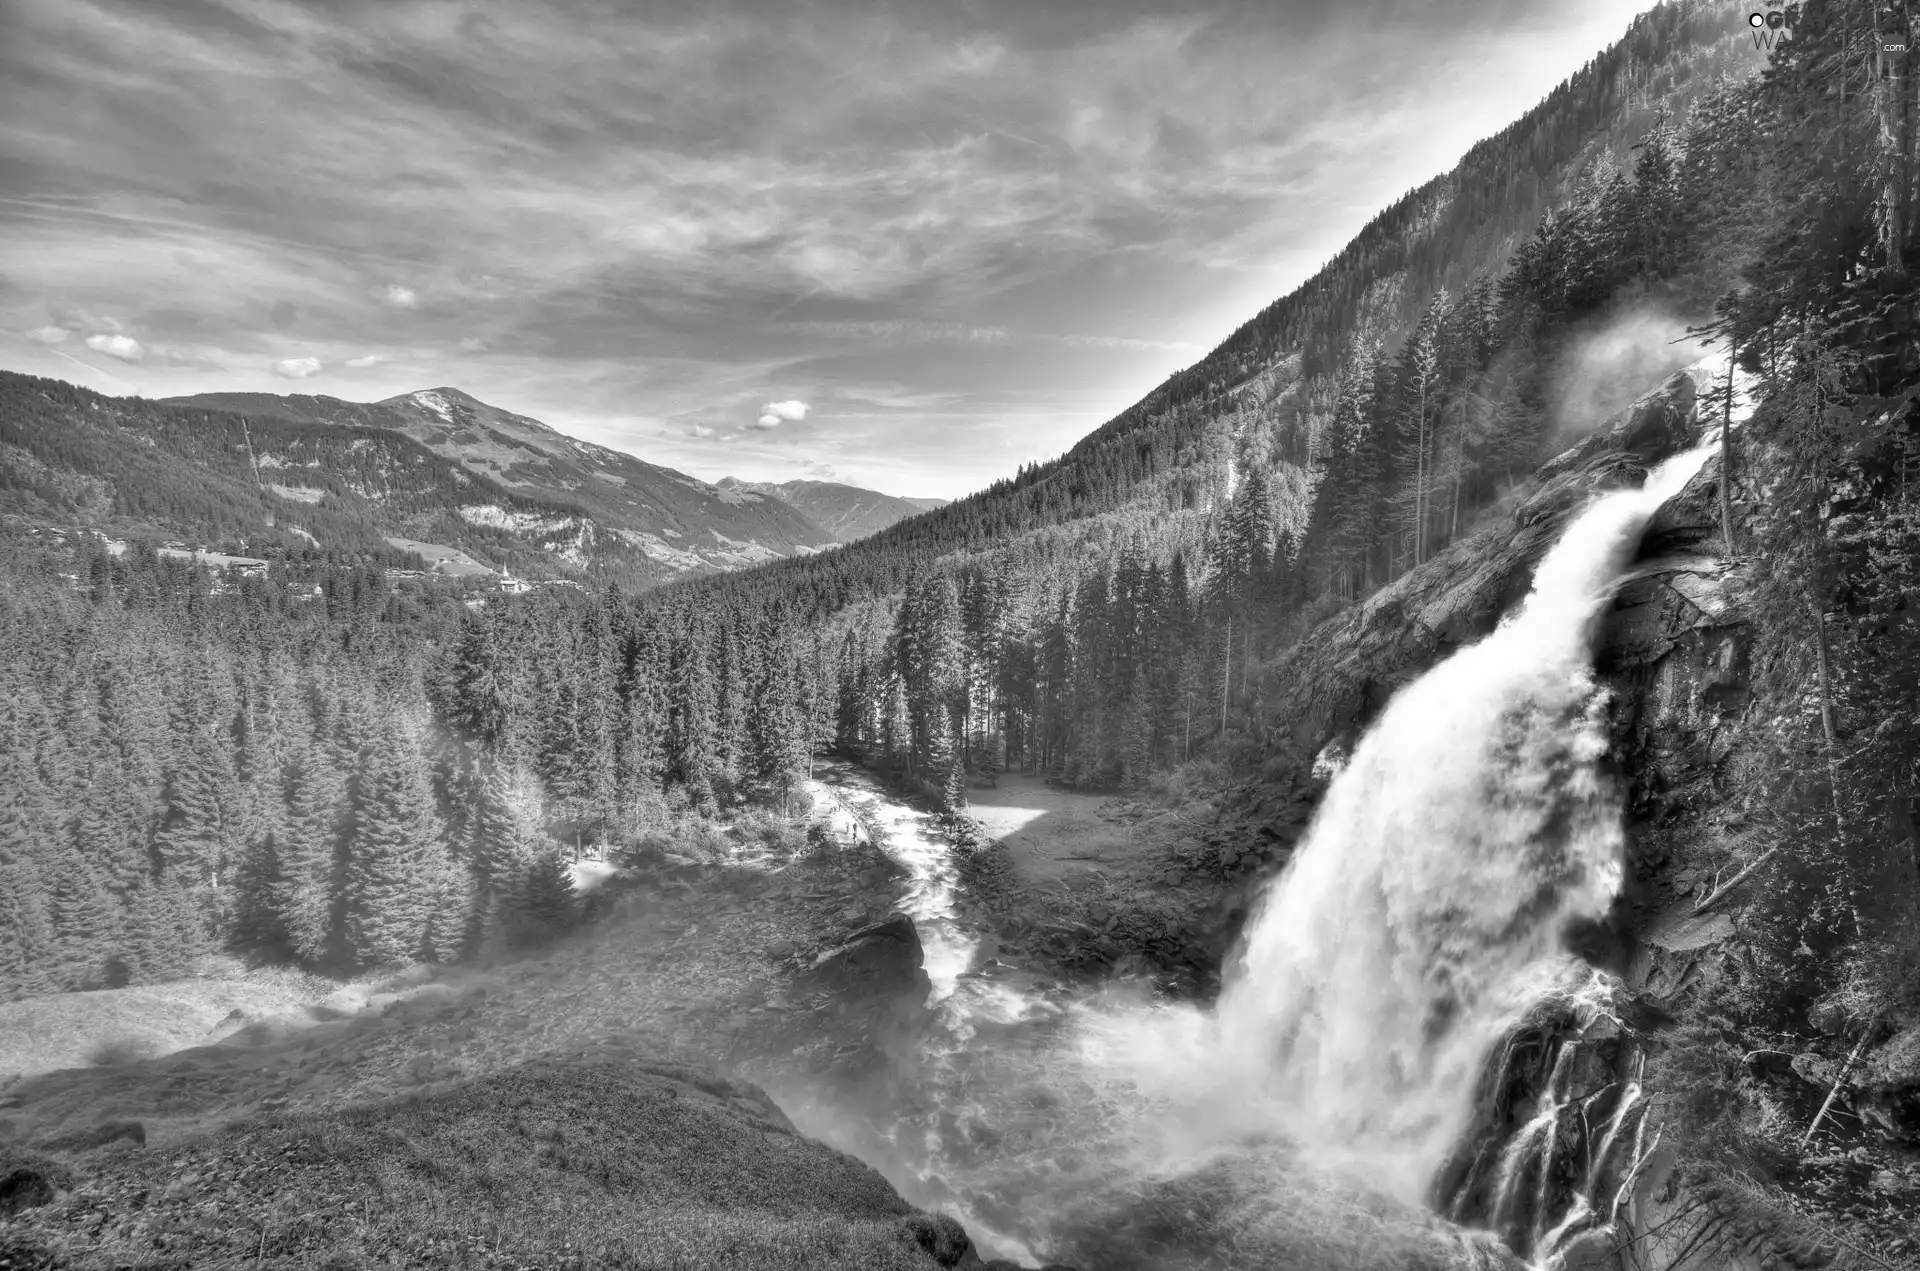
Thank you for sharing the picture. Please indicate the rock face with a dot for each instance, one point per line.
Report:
(1673, 650)
(882, 961)
(1336, 680)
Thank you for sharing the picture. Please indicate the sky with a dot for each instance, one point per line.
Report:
(907, 244)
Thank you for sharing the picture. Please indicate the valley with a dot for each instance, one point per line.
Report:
(1431, 785)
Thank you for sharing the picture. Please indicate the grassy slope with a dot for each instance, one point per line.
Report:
(535, 1089)
(601, 1158)
(69, 1030)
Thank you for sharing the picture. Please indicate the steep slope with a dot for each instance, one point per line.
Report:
(681, 523)
(845, 511)
(1266, 394)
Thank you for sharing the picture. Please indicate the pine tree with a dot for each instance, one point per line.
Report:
(385, 907)
(953, 789)
(548, 904)
(453, 900)
(690, 720)
(301, 895)
(194, 842)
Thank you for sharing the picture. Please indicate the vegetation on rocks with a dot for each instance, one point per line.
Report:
(604, 1160)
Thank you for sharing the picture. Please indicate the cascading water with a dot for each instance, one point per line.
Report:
(1419, 921)
(1423, 915)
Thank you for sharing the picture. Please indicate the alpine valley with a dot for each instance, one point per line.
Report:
(1430, 787)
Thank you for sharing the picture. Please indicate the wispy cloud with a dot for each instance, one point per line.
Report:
(48, 335)
(669, 215)
(297, 368)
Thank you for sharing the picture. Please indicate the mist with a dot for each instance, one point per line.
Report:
(1606, 368)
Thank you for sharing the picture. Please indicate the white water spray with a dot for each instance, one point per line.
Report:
(1424, 912)
(1419, 920)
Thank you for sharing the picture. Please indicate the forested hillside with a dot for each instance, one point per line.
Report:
(1102, 615)
(320, 764)
(436, 475)
(671, 521)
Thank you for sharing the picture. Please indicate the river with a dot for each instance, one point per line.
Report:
(1023, 1111)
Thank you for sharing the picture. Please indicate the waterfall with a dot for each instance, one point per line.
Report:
(1424, 912)
(1309, 1111)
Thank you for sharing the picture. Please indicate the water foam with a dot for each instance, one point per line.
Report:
(1419, 920)
(1424, 912)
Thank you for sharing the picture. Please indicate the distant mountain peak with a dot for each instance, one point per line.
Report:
(847, 511)
(597, 503)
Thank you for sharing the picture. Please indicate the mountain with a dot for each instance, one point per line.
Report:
(468, 488)
(845, 511)
(673, 519)
(1202, 609)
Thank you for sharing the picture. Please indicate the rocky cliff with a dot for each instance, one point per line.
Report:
(1688, 733)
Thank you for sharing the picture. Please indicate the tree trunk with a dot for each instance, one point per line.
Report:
(1420, 482)
(1839, 1081)
(1726, 457)
(1246, 659)
(1226, 675)
(1459, 468)
(1826, 674)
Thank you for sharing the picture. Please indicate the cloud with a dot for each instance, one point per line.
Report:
(297, 368)
(1127, 343)
(473, 344)
(905, 331)
(896, 192)
(124, 347)
(699, 430)
(774, 413)
(48, 335)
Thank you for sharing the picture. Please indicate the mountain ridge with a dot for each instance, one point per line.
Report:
(849, 512)
(674, 519)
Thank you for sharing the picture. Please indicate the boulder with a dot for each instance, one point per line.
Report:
(1889, 1097)
(940, 1236)
(1829, 1017)
(883, 960)
(1816, 1070)
(27, 1182)
(1659, 423)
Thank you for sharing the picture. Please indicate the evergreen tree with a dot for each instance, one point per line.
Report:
(300, 897)
(385, 905)
(548, 904)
